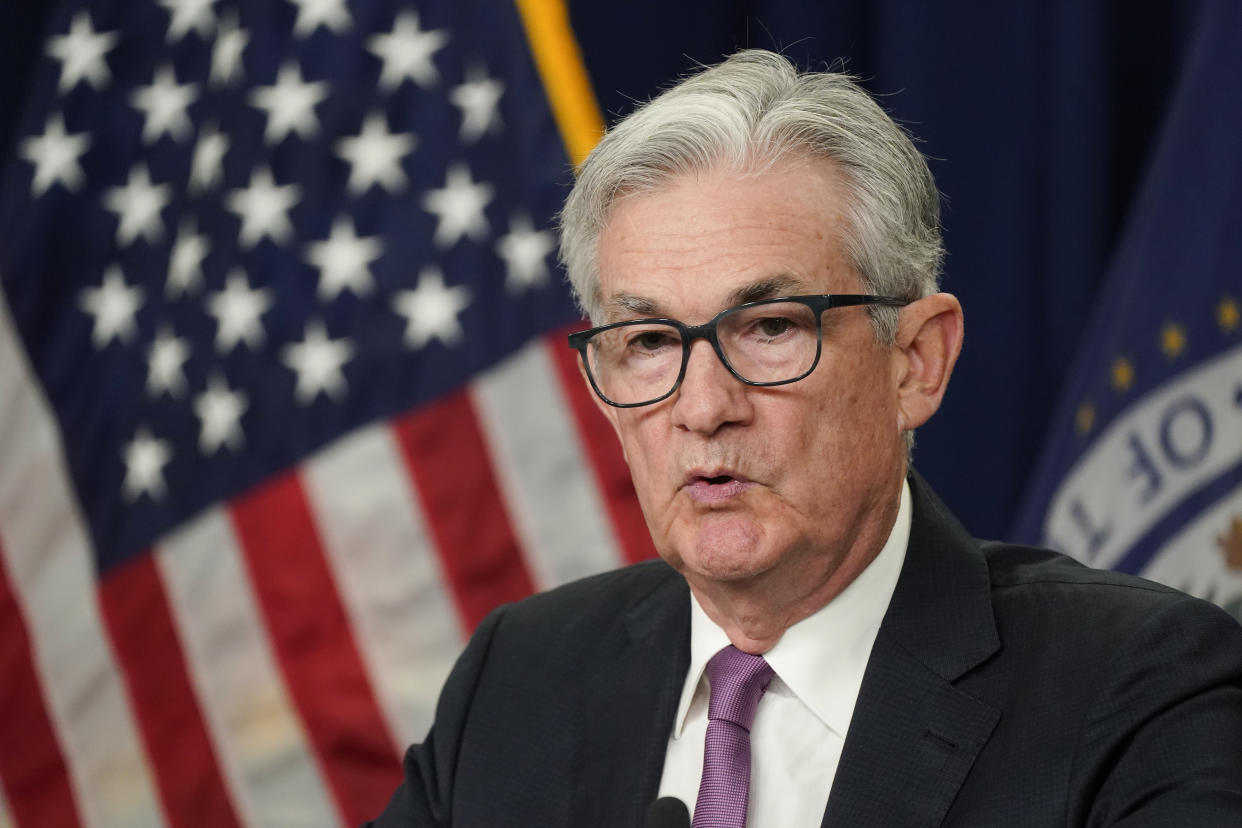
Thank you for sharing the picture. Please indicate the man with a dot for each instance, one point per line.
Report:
(759, 250)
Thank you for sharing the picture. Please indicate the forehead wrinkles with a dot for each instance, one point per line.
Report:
(783, 284)
(676, 217)
(701, 244)
(647, 266)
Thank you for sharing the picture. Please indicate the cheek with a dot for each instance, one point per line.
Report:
(847, 429)
(643, 451)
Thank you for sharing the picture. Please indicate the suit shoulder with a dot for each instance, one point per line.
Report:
(1016, 567)
(1022, 574)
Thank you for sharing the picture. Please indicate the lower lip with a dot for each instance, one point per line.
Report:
(705, 492)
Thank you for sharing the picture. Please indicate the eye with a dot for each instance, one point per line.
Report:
(651, 340)
(773, 325)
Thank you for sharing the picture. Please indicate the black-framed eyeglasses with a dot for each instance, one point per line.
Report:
(769, 342)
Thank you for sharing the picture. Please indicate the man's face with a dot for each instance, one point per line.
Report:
(785, 486)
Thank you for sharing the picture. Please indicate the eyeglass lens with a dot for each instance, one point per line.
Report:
(767, 343)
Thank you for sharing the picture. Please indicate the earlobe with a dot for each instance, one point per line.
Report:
(929, 336)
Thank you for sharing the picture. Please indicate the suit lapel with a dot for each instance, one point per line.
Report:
(914, 735)
(628, 710)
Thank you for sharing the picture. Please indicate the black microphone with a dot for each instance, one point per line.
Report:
(667, 812)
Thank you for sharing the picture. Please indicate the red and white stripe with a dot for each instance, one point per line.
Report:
(73, 674)
(268, 661)
(389, 575)
(537, 452)
(255, 729)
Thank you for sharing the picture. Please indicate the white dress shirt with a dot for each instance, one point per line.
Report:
(800, 726)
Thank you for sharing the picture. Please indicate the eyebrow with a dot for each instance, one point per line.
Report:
(785, 284)
(638, 305)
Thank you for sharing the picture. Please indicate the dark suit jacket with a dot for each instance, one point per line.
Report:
(1008, 686)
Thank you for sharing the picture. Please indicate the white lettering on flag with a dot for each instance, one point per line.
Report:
(1149, 460)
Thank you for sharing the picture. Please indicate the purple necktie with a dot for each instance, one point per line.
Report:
(738, 681)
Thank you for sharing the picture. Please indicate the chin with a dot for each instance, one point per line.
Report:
(727, 549)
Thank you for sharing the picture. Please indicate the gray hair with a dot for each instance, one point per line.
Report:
(746, 114)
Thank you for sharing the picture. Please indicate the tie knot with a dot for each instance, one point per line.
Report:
(738, 681)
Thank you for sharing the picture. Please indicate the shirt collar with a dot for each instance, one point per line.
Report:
(820, 659)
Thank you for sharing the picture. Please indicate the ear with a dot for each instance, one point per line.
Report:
(610, 413)
(929, 338)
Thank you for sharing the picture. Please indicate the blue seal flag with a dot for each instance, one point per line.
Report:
(1142, 471)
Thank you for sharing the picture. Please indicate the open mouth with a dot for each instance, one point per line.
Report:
(715, 488)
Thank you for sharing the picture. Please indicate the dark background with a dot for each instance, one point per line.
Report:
(1038, 116)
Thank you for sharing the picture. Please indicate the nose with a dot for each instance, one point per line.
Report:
(709, 396)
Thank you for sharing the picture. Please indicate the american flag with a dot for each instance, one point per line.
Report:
(285, 406)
